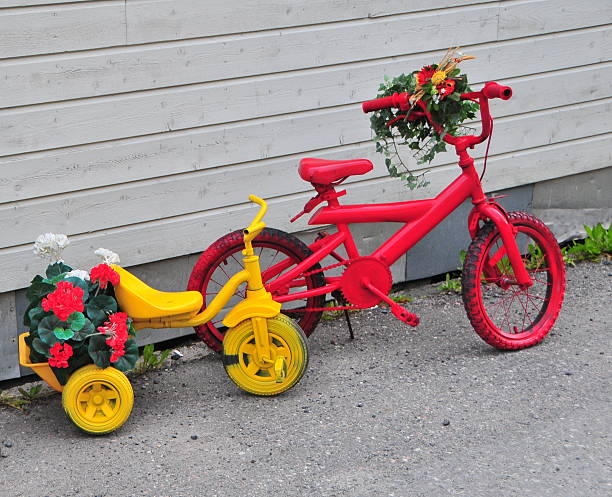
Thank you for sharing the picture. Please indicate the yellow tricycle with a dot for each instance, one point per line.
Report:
(264, 352)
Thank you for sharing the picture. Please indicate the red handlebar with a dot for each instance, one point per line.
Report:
(493, 90)
(490, 90)
(396, 100)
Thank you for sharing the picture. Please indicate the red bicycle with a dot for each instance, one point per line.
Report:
(513, 278)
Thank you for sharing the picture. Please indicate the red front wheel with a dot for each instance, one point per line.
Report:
(223, 259)
(504, 315)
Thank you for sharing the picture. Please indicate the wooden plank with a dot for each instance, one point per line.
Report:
(39, 129)
(43, 30)
(156, 20)
(147, 242)
(133, 203)
(530, 17)
(119, 70)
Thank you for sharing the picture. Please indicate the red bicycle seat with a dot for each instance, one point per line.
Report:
(325, 172)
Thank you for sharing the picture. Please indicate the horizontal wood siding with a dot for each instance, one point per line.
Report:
(141, 126)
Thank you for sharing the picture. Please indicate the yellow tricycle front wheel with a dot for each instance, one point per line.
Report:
(285, 367)
(98, 400)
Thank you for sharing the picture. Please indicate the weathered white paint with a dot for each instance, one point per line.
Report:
(157, 65)
(52, 29)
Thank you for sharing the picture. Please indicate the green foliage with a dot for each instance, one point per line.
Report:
(597, 243)
(450, 285)
(31, 393)
(18, 403)
(21, 402)
(417, 134)
(150, 360)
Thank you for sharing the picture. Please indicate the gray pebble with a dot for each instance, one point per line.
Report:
(194, 437)
(446, 422)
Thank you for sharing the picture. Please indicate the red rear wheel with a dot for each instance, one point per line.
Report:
(504, 315)
(223, 259)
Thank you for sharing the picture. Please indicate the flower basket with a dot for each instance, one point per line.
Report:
(73, 318)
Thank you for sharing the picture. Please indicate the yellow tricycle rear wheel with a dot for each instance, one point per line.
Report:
(288, 361)
(98, 400)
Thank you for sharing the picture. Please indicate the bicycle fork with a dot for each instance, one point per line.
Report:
(494, 212)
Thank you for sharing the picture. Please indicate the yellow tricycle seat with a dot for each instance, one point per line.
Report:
(141, 302)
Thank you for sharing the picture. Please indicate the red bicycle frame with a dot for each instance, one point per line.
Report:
(419, 216)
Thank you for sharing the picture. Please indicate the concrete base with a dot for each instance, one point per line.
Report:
(567, 204)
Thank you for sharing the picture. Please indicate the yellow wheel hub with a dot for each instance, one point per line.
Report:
(98, 400)
(275, 374)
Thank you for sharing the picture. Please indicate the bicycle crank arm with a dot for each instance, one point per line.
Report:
(398, 311)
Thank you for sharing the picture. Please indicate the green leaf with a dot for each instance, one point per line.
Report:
(35, 315)
(87, 329)
(99, 307)
(128, 360)
(46, 329)
(38, 289)
(63, 334)
(57, 269)
(40, 347)
(99, 351)
(76, 320)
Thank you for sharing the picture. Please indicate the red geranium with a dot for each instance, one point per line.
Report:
(117, 329)
(59, 357)
(103, 273)
(65, 300)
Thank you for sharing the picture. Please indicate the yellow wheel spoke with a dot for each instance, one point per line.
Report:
(107, 410)
(111, 395)
(90, 412)
(248, 348)
(252, 368)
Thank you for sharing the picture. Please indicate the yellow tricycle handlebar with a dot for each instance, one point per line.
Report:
(257, 225)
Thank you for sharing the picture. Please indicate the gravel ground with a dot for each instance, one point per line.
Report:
(431, 411)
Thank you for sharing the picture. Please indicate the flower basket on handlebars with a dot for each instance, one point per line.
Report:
(435, 88)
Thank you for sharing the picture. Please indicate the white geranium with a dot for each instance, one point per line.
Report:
(50, 246)
(78, 273)
(107, 256)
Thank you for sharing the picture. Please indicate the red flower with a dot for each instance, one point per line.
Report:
(116, 355)
(425, 74)
(59, 358)
(117, 329)
(446, 88)
(65, 300)
(103, 273)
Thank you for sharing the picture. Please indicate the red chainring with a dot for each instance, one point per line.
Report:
(377, 272)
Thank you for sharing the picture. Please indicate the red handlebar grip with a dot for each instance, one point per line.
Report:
(379, 103)
(493, 90)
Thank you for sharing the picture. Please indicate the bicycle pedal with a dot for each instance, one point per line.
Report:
(406, 316)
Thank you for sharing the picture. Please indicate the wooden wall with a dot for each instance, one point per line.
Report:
(142, 125)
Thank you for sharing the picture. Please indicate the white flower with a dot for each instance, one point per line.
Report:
(50, 246)
(108, 256)
(78, 273)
